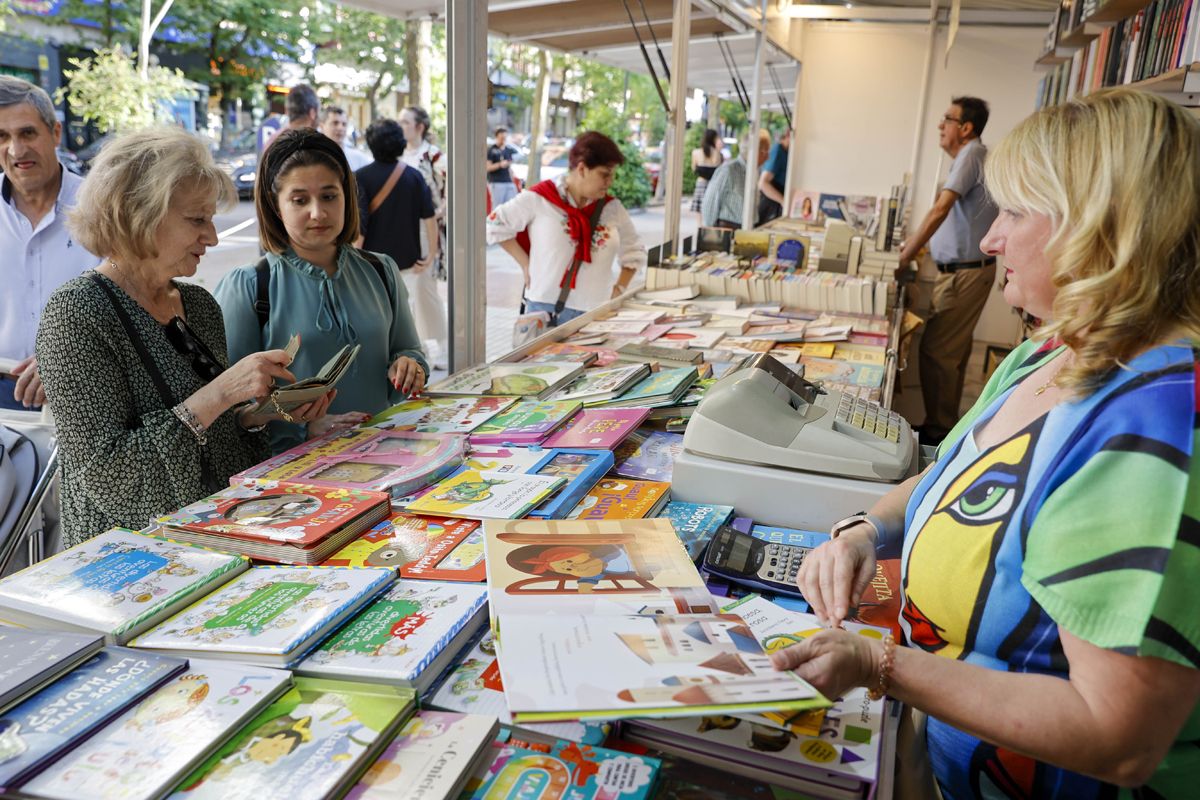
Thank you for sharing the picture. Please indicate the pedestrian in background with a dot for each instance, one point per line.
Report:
(40, 254)
(705, 160)
(773, 178)
(724, 196)
(334, 125)
(499, 169)
(303, 106)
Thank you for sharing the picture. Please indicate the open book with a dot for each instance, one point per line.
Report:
(611, 619)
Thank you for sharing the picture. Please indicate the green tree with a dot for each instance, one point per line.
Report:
(631, 184)
(366, 41)
(691, 140)
(239, 42)
(107, 90)
(119, 21)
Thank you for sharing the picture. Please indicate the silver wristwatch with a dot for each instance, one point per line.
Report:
(846, 523)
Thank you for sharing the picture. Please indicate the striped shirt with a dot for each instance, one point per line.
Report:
(1085, 519)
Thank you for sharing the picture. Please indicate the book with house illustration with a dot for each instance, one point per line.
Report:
(366, 458)
(145, 752)
(407, 636)
(269, 616)
(117, 584)
(29, 660)
(617, 614)
(520, 379)
(314, 742)
(405, 540)
(432, 758)
(440, 414)
(474, 686)
(486, 495)
(47, 724)
(291, 523)
(528, 422)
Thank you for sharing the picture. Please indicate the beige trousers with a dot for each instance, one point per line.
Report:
(958, 300)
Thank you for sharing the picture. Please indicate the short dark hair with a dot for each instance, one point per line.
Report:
(422, 119)
(594, 149)
(329, 111)
(974, 111)
(500, 130)
(303, 147)
(385, 138)
(301, 102)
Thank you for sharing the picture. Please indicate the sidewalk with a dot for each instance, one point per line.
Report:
(504, 276)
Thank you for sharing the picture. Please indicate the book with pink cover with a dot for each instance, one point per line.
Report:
(598, 428)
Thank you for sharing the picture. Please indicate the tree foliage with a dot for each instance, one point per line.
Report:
(107, 90)
(364, 40)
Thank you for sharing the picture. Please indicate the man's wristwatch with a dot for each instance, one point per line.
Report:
(844, 524)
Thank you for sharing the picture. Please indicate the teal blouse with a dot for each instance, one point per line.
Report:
(328, 311)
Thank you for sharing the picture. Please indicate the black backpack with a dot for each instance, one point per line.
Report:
(262, 291)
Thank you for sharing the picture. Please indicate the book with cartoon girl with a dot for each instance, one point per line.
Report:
(270, 616)
(145, 752)
(314, 742)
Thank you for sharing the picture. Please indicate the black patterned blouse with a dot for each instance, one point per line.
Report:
(125, 456)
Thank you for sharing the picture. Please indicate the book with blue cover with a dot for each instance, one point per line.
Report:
(43, 727)
(407, 637)
(145, 752)
(790, 536)
(695, 523)
(119, 584)
(270, 616)
(30, 660)
(313, 743)
(654, 458)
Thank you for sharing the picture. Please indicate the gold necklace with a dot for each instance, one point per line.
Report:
(1051, 381)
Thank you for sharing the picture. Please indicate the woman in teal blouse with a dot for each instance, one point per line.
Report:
(321, 287)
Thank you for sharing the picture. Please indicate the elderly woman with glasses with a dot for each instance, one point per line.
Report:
(150, 414)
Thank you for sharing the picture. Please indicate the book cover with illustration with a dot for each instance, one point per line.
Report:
(486, 495)
(599, 385)
(432, 758)
(654, 459)
(41, 728)
(491, 458)
(279, 520)
(604, 356)
(598, 429)
(402, 636)
(568, 771)
(622, 498)
(537, 379)
(527, 422)
(660, 388)
(860, 353)
(440, 414)
(269, 616)
(312, 743)
(789, 536)
(117, 584)
(474, 687)
(695, 523)
(582, 470)
(30, 660)
(145, 752)
(847, 372)
(410, 540)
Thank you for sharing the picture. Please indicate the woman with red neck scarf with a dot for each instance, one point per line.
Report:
(567, 233)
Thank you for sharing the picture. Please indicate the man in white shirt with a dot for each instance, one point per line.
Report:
(334, 125)
(39, 253)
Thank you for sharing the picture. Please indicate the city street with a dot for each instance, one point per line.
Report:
(237, 231)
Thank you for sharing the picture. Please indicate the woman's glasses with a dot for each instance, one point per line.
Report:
(187, 344)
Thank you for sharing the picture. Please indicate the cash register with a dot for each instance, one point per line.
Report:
(787, 452)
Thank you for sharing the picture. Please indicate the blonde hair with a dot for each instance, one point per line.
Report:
(126, 194)
(1117, 171)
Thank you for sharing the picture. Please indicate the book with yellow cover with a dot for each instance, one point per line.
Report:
(486, 495)
(622, 498)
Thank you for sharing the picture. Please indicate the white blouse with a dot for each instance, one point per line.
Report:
(553, 249)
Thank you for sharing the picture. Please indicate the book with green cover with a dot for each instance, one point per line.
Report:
(119, 584)
(315, 742)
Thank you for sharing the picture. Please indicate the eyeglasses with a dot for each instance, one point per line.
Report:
(948, 118)
(187, 344)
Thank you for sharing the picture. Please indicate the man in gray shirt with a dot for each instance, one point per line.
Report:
(959, 219)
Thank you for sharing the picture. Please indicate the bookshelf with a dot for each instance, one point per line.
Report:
(1151, 45)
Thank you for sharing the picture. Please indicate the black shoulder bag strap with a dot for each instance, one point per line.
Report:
(160, 383)
(262, 286)
(561, 303)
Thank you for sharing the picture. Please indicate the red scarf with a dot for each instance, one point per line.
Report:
(579, 224)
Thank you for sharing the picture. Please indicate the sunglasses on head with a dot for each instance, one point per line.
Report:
(188, 345)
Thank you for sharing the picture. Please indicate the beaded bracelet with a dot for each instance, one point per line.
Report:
(191, 422)
(885, 669)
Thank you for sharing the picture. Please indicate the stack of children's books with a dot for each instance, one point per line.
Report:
(280, 521)
(538, 381)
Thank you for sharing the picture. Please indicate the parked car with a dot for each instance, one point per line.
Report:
(242, 170)
(554, 163)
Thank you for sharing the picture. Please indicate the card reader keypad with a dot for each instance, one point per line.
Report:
(782, 562)
(869, 417)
